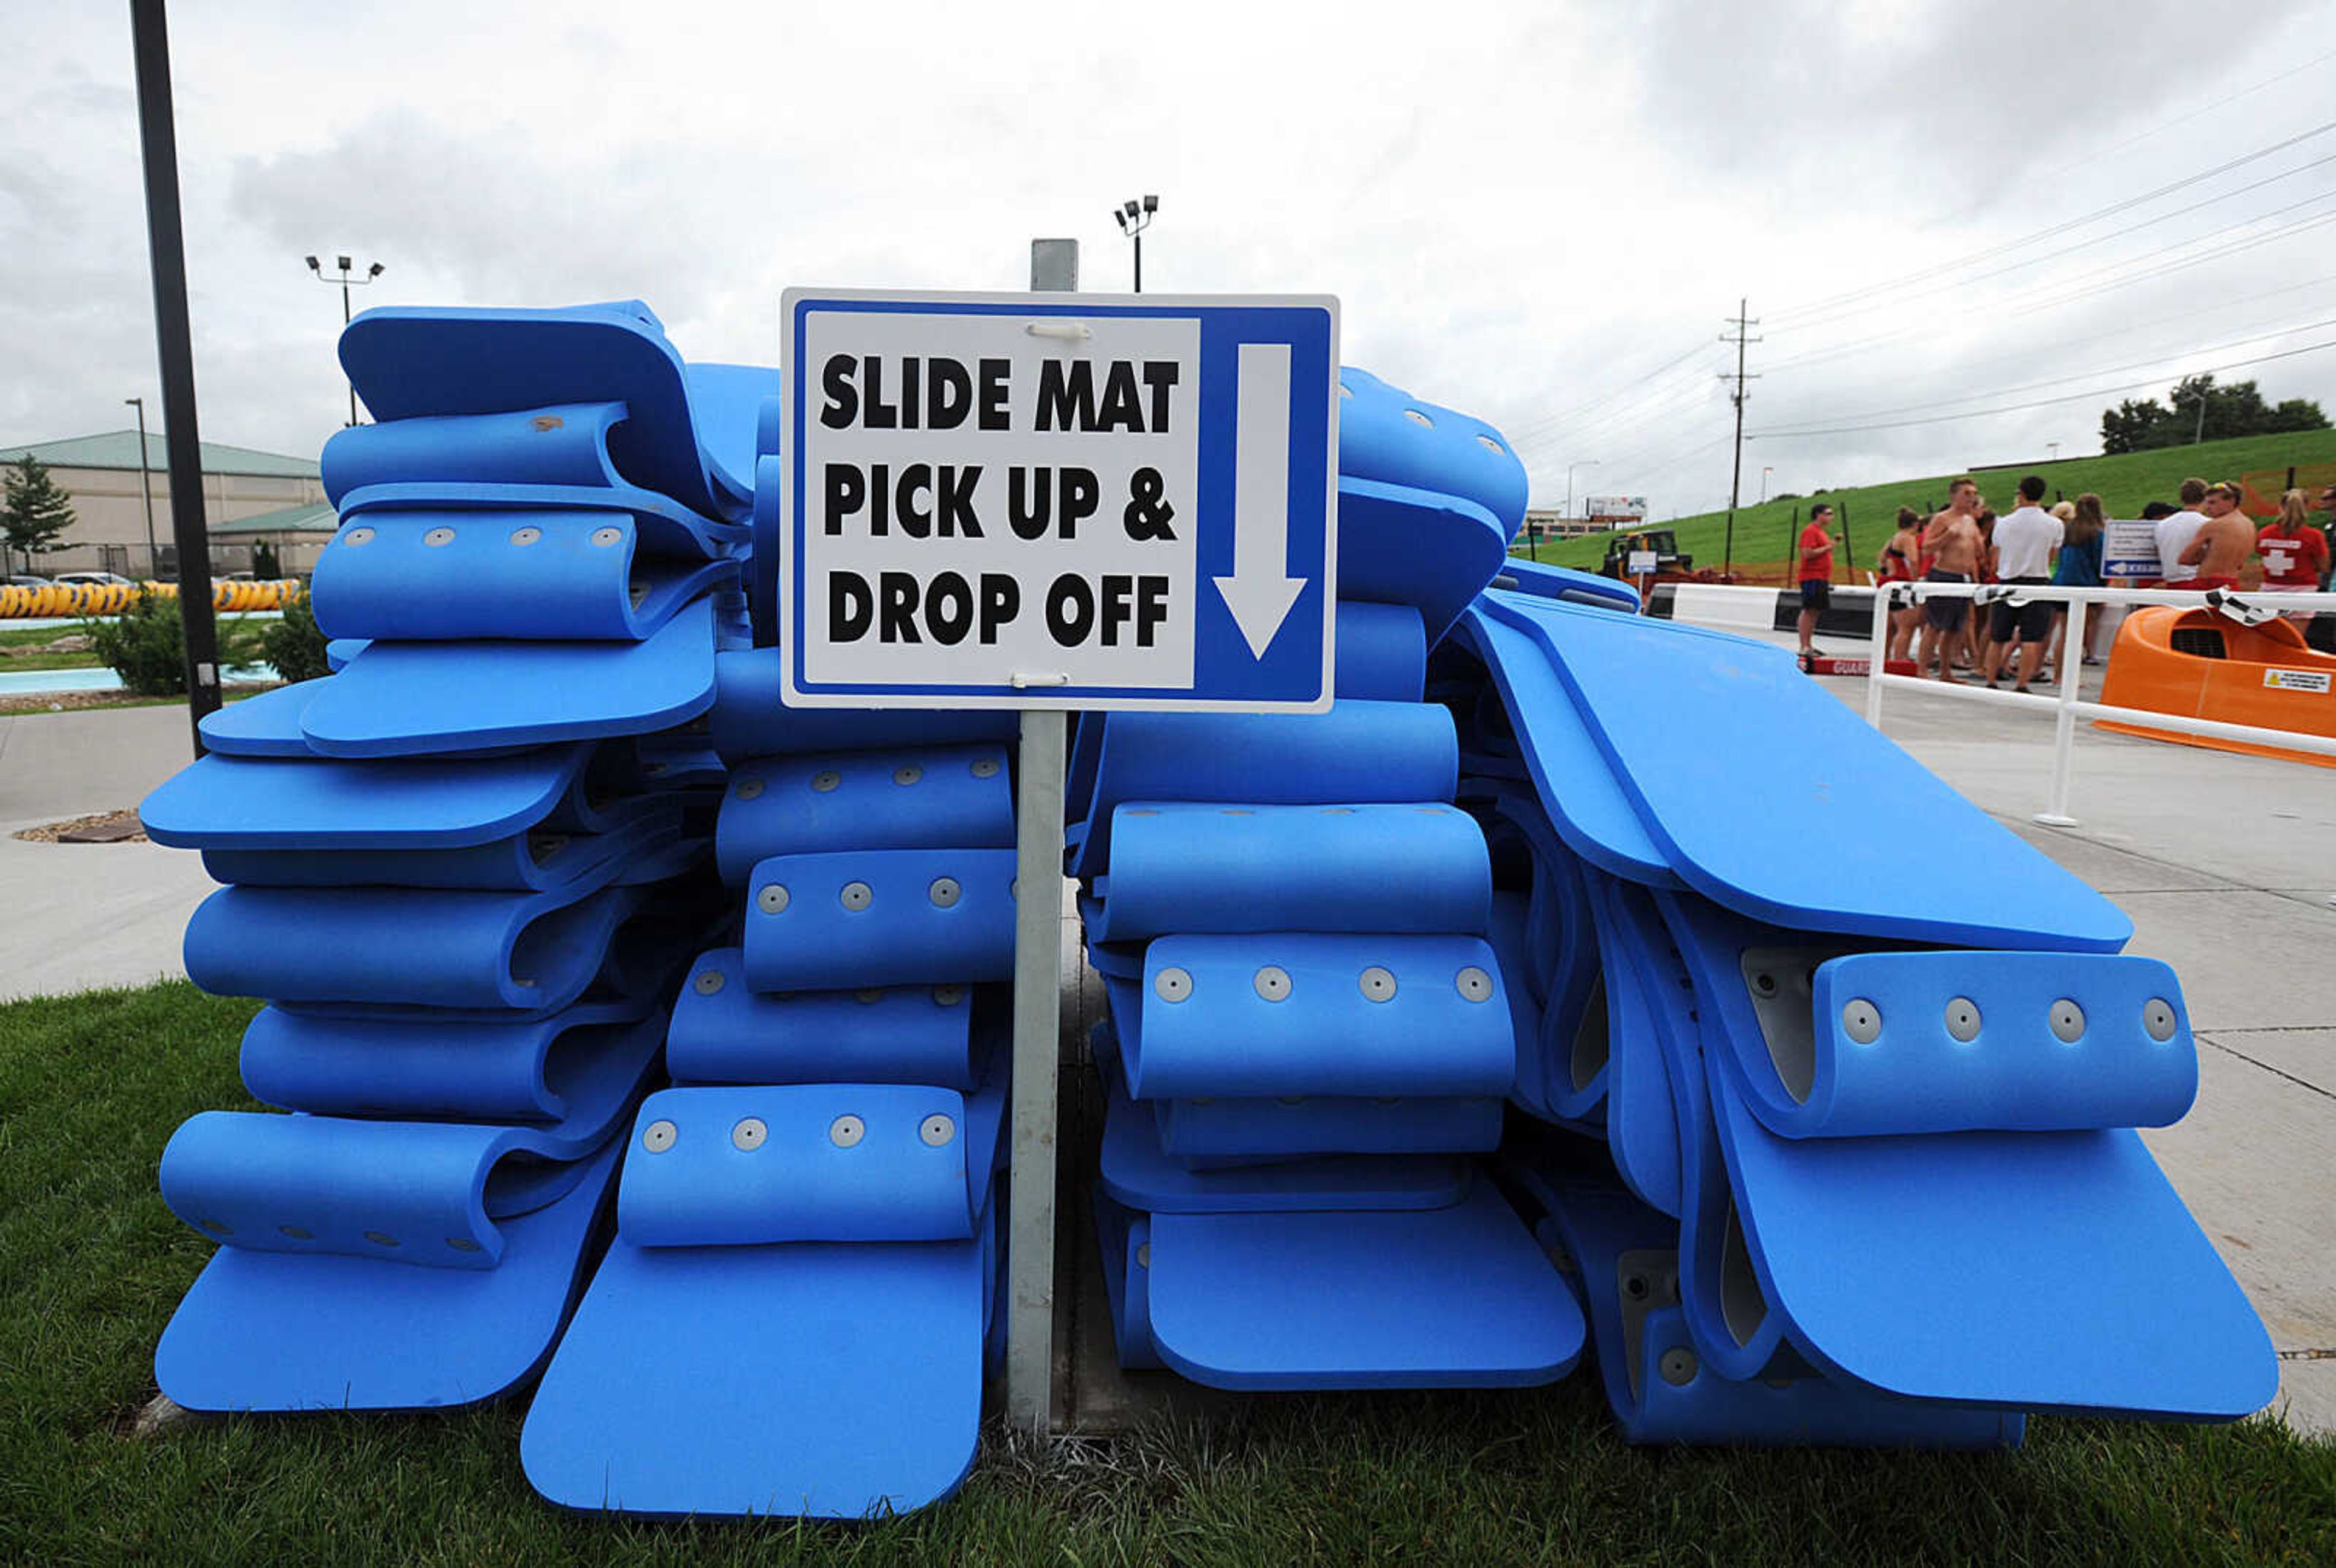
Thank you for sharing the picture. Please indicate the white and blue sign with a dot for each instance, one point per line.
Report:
(1059, 501)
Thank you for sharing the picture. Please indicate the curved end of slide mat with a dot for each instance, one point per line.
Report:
(1461, 1296)
(282, 1331)
(829, 1381)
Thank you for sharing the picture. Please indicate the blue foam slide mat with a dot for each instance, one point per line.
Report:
(1623, 1259)
(1307, 1013)
(1586, 589)
(1428, 499)
(815, 1379)
(1423, 549)
(241, 802)
(282, 1331)
(1744, 753)
(407, 699)
(749, 722)
(1357, 751)
(528, 860)
(724, 1032)
(1576, 784)
(1561, 1067)
(1642, 1122)
(339, 650)
(1137, 1173)
(2056, 1041)
(854, 917)
(1388, 435)
(407, 946)
(728, 1165)
(1207, 1131)
(266, 725)
(538, 576)
(1381, 868)
(1460, 1297)
(2037, 1271)
(1727, 1311)
(1382, 652)
(1124, 1240)
(577, 1067)
(927, 797)
(727, 1371)
(409, 362)
(670, 533)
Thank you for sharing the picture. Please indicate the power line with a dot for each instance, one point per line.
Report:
(1861, 346)
(2085, 245)
(2179, 354)
(1925, 274)
(1609, 427)
(1550, 420)
(2159, 128)
(2040, 403)
(2044, 296)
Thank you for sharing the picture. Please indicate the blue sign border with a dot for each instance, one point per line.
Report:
(1296, 673)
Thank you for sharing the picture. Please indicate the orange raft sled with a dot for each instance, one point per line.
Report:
(2201, 665)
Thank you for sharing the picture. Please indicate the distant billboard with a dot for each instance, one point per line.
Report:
(1615, 508)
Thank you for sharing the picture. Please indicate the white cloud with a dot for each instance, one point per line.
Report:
(1523, 209)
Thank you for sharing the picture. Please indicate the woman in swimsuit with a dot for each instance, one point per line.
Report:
(1901, 562)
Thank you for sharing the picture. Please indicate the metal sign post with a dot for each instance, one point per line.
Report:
(1037, 999)
(1051, 505)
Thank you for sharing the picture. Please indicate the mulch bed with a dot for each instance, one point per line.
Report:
(118, 827)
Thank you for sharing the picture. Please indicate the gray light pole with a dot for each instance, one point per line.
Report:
(1135, 217)
(346, 283)
(1766, 470)
(146, 481)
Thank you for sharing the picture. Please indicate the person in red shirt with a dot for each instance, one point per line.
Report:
(1817, 574)
(2294, 553)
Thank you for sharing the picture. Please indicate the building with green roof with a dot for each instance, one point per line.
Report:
(240, 486)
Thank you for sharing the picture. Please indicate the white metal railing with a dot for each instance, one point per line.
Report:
(2066, 706)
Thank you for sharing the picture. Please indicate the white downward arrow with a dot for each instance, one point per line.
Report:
(1260, 593)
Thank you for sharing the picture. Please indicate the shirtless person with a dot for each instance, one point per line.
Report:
(2220, 548)
(1952, 541)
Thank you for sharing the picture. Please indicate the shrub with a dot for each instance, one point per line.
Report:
(146, 644)
(294, 645)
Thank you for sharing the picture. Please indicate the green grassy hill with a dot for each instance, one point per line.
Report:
(1763, 533)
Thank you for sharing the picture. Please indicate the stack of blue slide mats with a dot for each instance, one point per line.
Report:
(640, 1037)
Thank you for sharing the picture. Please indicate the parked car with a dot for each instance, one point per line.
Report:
(100, 578)
(26, 579)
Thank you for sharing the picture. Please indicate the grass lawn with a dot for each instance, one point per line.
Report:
(91, 1265)
(1763, 533)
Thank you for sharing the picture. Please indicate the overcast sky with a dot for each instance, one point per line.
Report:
(1538, 213)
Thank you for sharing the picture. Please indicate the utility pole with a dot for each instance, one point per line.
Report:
(1741, 321)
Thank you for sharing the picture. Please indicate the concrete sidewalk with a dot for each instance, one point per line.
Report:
(80, 916)
(2224, 863)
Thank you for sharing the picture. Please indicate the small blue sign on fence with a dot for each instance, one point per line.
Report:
(1048, 501)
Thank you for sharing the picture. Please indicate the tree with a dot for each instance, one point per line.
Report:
(2198, 410)
(36, 512)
